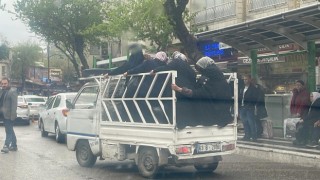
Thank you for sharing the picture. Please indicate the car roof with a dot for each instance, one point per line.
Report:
(65, 94)
(33, 96)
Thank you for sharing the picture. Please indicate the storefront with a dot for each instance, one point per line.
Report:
(278, 73)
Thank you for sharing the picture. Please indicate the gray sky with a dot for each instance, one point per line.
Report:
(13, 30)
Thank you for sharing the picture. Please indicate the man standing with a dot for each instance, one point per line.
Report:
(8, 112)
(247, 100)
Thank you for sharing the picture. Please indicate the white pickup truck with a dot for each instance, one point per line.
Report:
(106, 121)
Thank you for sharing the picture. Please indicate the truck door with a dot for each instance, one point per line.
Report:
(82, 118)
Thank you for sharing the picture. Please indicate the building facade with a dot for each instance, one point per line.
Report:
(277, 73)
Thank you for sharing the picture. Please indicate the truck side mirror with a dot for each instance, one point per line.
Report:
(69, 104)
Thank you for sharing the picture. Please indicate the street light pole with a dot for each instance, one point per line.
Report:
(48, 79)
(48, 56)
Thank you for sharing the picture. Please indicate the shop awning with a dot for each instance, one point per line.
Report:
(296, 26)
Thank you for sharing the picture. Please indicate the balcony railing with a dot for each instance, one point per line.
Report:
(255, 5)
(217, 12)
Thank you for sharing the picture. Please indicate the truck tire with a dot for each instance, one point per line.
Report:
(44, 133)
(206, 167)
(84, 154)
(148, 162)
(59, 135)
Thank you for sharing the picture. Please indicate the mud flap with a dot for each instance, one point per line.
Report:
(95, 146)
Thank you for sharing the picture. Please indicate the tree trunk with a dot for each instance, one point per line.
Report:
(79, 46)
(70, 55)
(174, 12)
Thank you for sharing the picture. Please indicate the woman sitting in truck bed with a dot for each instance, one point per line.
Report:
(186, 77)
(148, 65)
(212, 95)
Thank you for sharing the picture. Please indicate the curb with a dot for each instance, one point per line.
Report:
(281, 156)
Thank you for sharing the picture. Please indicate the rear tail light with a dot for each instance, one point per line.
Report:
(65, 112)
(228, 147)
(23, 106)
(183, 150)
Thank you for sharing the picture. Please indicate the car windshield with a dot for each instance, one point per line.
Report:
(35, 99)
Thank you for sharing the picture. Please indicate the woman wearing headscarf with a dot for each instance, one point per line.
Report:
(148, 65)
(186, 77)
(212, 95)
(160, 59)
(305, 125)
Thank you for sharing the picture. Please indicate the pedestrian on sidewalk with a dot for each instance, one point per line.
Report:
(8, 113)
(300, 100)
(305, 125)
(248, 97)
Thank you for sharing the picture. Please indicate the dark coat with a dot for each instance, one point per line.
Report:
(250, 97)
(135, 59)
(313, 114)
(305, 128)
(186, 77)
(213, 97)
(145, 67)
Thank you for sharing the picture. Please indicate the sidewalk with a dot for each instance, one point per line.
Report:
(279, 150)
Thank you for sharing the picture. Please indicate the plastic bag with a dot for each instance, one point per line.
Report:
(289, 127)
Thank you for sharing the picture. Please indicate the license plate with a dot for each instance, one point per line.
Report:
(208, 147)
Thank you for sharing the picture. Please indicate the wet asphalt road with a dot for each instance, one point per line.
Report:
(40, 158)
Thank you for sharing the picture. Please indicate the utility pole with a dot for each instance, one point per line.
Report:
(48, 57)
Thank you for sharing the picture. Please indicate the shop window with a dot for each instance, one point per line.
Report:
(254, 5)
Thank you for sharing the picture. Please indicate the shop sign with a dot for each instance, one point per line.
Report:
(218, 51)
(262, 60)
(282, 47)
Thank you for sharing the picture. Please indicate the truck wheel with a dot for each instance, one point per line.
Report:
(206, 167)
(59, 135)
(43, 132)
(84, 154)
(148, 162)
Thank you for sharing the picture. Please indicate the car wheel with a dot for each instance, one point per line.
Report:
(59, 136)
(206, 167)
(84, 154)
(148, 162)
(43, 132)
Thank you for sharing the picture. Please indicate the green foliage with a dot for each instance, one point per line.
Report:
(4, 52)
(65, 23)
(24, 56)
(144, 19)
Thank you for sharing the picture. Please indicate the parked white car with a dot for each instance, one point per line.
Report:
(53, 118)
(22, 111)
(34, 103)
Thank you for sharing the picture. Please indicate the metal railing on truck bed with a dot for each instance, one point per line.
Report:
(142, 99)
(145, 99)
